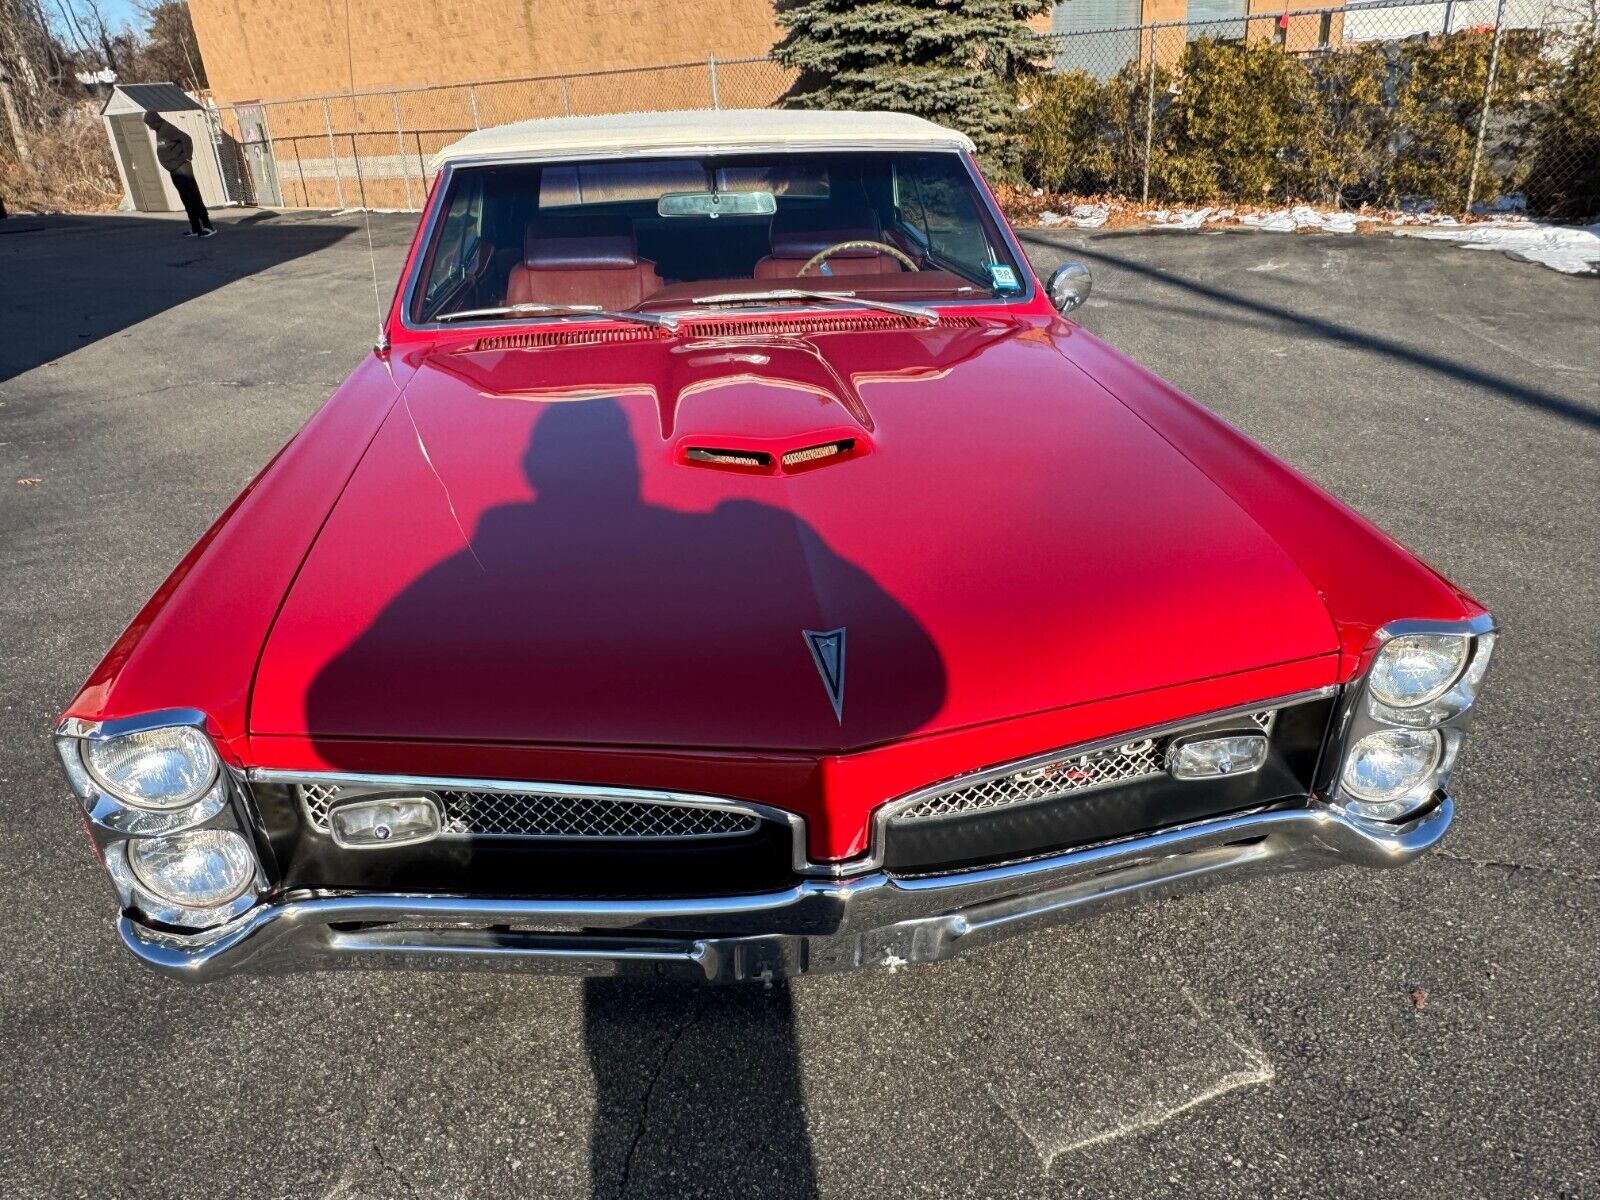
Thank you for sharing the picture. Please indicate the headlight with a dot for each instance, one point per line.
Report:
(199, 879)
(1418, 667)
(1423, 680)
(159, 769)
(1384, 768)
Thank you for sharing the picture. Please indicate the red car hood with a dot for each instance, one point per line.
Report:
(527, 552)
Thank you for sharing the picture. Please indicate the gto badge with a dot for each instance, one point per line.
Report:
(827, 651)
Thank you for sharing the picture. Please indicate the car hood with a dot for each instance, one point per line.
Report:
(583, 544)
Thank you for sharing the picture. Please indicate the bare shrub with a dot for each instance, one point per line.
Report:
(68, 169)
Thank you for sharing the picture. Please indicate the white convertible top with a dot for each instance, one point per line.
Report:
(700, 131)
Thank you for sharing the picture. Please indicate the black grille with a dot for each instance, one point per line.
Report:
(1071, 799)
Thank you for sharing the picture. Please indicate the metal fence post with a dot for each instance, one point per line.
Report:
(300, 167)
(1488, 96)
(711, 65)
(472, 98)
(333, 154)
(361, 180)
(1150, 117)
(400, 146)
(566, 98)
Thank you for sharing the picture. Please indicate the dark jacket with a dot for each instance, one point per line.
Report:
(174, 147)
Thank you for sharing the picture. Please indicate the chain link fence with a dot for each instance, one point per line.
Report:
(1459, 105)
(371, 149)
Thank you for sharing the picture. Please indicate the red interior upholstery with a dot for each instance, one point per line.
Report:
(595, 262)
(797, 234)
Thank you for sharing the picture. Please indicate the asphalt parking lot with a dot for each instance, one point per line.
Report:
(1427, 1032)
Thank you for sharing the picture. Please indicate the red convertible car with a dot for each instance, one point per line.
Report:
(732, 562)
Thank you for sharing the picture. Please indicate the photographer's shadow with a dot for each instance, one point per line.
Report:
(639, 615)
(697, 1092)
(596, 616)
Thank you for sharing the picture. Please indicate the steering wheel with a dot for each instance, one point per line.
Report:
(822, 256)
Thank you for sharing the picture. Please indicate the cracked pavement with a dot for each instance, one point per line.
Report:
(1256, 1040)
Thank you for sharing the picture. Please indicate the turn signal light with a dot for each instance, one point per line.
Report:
(1211, 757)
(384, 821)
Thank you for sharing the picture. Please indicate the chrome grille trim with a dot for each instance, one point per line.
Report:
(1069, 772)
(547, 811)
(872, 860)
(542, 816)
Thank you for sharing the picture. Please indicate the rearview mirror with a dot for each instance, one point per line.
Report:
(717, 204)
(1069, 286)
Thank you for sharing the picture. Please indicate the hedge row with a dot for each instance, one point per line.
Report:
(1372, 124)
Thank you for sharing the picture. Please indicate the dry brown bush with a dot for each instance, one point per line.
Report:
(69, 168)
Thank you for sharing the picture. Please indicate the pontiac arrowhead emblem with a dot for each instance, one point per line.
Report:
(827, 650)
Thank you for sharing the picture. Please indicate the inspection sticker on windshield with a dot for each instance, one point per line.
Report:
(1003, 278)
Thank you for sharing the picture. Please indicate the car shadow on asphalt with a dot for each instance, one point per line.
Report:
(697, 1092)
(1330, 331)
(67, 281)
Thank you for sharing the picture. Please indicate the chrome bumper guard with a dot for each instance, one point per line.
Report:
(815, 926)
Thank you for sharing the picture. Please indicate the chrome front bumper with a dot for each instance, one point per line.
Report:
(817, 925)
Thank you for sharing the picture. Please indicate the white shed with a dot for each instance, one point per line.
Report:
(133, 145)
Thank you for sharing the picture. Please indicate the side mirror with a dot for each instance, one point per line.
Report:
(1069, 286)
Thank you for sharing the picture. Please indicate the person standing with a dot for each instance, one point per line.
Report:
(175, 152)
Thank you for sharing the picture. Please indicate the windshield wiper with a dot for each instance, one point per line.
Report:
(905, 310)
(561, 310)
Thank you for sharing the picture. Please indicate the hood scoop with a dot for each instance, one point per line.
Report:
(749, 460)
(809, 456)
(743, 460)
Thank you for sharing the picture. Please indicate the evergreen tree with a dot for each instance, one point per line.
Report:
(952, 61)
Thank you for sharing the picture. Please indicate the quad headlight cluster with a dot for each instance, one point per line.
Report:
(1407, 717)
(161, 811)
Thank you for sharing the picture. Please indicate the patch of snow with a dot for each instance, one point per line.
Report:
(1084, 216)
(1162, 216)
(1424, 218)
(1287, 220)
(1570, 249)
(1281, 221)
(1181, 218)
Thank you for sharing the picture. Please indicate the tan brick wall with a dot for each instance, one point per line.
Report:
(1301, 33)
(284, 49)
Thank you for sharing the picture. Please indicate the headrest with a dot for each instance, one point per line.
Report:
(580, 244)
(801, 232)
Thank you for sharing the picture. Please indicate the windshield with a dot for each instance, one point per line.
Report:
(626, 234)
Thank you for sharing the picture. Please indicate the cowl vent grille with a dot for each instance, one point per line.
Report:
(568, 337)
(733, 327)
